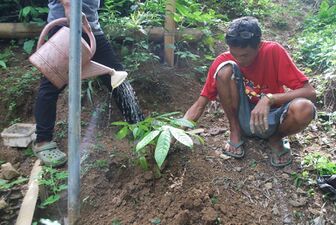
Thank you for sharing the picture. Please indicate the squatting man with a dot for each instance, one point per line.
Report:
(249, 80)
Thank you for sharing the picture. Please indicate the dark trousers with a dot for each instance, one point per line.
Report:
(45, 108)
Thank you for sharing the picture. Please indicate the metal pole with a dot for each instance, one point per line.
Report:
(74, 111)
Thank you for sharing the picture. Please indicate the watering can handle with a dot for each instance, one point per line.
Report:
(64, 21)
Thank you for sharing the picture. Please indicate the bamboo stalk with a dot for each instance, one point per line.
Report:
(169, 35)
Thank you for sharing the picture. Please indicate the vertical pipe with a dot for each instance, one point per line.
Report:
(74, 111)
(169, 33)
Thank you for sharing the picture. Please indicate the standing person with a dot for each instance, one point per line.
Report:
(45, 109)
(249, 80)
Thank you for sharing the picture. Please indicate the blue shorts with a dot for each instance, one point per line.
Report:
(275, 116)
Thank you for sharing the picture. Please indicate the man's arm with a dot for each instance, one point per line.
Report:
(259, 115)
(307, 91)
(197, 109)
(66, 6)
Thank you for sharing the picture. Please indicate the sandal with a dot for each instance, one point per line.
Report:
(239, 145)
(50, 154)
(286, 150)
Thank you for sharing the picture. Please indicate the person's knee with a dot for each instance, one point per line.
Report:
(302, 110)
(225, 74)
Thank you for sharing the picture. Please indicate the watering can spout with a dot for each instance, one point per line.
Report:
(93, 69)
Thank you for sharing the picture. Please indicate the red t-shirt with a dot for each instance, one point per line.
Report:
(270, 71)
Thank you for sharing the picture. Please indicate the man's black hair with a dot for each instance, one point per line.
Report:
(244, 32)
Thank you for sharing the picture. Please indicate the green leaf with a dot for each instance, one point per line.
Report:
(3, 64)
(182, 122)
(28, 46)
(26, 10)
(120, 123)
(181, 136)
(50, 200)
(122, 133)
(162, 147)
(147, 139)
(168, 114)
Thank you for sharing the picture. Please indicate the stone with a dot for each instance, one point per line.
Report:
(3, 204)
(209, 215)
(269, 186)
(275, 210)
(8, 171)
(298, 202)
(182, 218)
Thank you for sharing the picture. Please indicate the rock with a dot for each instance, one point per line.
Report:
(269, 186)
(285, 176)
(238, 169)
(149, 176)
(216, 131)
(209, 215)
(225, 157)
(8, 171)
(300, 191)
(319, 221)
(3, 204)
(298, 202)
(182, 218)
(275, 210)
(287, 219)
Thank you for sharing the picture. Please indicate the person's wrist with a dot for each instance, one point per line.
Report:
(270, 97)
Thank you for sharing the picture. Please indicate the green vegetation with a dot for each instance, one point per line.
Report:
(313, 165)
(317, 45)
(5, 185)
(158, 131)
(23, 11)
(54, 182)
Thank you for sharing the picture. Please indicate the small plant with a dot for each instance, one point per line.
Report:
(158, 132)
(55, 183)
(101, 164)
(4, 57)
(314, 165)
(5, 185)
(116, 222)
(321, 164)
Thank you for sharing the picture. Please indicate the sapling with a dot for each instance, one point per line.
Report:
(158, 133)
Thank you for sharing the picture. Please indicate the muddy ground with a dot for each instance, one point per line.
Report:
(198, 186)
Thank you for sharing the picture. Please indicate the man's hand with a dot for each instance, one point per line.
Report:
(259, 116)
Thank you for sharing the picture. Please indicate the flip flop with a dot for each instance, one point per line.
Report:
(236, 146)
(50, 154)
(286, 150)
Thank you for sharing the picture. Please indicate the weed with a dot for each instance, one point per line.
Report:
(62, 131)
(55, 182)
(4, 184)
(116, 222)
(4, 57)
(155, 221)
(101, 164)
(28, 152)
(214, 200)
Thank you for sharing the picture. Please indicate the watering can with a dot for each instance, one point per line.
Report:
(52, 57)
